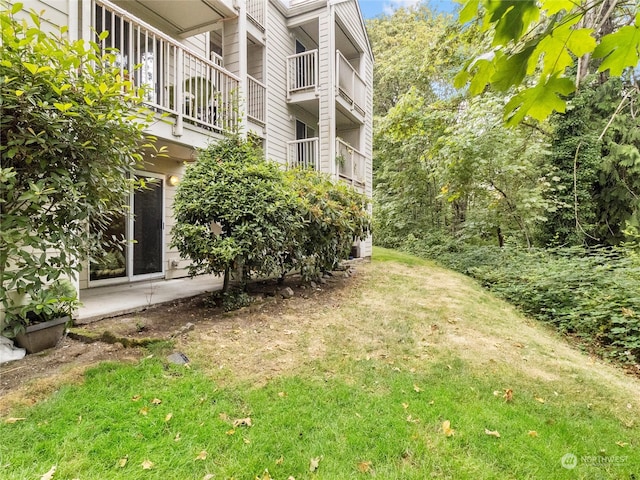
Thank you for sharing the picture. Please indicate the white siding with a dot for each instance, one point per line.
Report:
(56, 12)
(326, 120)
(280, 128)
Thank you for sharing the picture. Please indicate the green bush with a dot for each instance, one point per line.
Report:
(236, 211)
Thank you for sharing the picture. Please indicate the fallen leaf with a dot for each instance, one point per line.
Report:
(532, 433)
(492, 433)
(314, 463)
(122, 462)
(14, 419)
(230, 432)
(79, 418)
(446, 428)
(135, 398)
(280, 461)
(508, 395)
(202, 455)
(156, 401)
(144, 411)
(416, 388)
(168, 417)
(246, 440)
(541, 400)
(49, 474)
(224, 417)
(432, 402)
(496, 393)
(177, 437)
(242, 422)
(410, 419)
(208, 476)
(147, 465)
(265, 476)
(282, 394)
(364, 467)
(622, 444)
(291, 477)
(405, 405)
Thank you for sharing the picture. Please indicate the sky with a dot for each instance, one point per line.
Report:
(373, 8)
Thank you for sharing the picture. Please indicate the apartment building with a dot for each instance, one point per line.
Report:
(296, 78)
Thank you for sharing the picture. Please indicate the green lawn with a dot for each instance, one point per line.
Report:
(372, 404)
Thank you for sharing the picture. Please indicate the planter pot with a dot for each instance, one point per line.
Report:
(40, 336)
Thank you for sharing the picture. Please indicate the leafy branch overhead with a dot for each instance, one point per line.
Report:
(543, 50)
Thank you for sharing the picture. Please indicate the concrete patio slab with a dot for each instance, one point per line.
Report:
(114, 300)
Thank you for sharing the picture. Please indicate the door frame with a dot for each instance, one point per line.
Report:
(129, 277)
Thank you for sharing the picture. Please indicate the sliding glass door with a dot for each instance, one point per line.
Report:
(139, 249)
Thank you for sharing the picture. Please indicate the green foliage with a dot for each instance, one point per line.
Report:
(335, 216)
(595, 158)
(544, 41)
(233, 212)
(237, 211)
(70, 132)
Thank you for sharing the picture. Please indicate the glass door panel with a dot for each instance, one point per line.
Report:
(113, 264)
(147, 229)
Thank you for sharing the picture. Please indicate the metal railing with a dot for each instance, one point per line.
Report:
(176, 80)
(302, 72)
(304, 154)
(256, 99)
(256, 13)
(351, 87)
(351, 163)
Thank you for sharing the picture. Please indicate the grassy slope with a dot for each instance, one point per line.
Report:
(362, 383)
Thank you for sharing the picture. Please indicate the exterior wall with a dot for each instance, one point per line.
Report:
(280, 127)
(327, 107)
(56, 12)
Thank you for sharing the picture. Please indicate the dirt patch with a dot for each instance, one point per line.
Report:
(192, 324)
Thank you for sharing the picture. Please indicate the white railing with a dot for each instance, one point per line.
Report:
(304, 154)
(176, 80)
(351, 163)
(256, 100)
(351, 87)
(256, 12)
(302, 72)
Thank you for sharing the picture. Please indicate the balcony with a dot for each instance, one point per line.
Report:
(256, 101)
(351, 164)
(303, 154)
(256, 13)
(186, 86)
(302, 73)
(351, 88)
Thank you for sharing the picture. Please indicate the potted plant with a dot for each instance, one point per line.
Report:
(40, 322)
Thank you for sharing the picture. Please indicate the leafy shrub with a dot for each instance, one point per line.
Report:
(335, 215)
(236, 211)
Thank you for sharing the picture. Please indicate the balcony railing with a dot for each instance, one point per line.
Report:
(176, 81)
(351, 87)
(302, 72)
(304, 154)
(351, 163)
(256, 12)
(256, 98)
